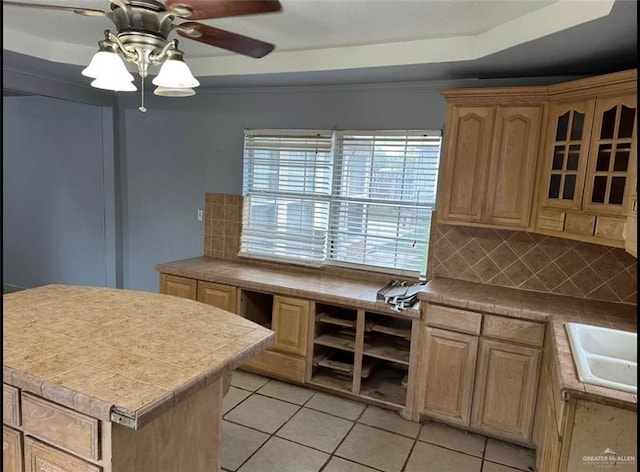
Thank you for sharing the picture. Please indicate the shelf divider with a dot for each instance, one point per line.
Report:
(357, 356)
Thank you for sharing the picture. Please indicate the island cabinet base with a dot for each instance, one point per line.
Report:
(184, 438)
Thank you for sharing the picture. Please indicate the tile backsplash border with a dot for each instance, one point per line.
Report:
(535, 262)
(517, 259)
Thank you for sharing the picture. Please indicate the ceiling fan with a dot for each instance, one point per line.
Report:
(143, 27)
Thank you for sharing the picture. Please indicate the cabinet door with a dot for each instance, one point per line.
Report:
(450, 366)
(513, 166)
(11, 450)
(218, 295)
(178, 286)
(291, 324)
(505, 391)
(566, 153)
(465, 164)
(611, 156)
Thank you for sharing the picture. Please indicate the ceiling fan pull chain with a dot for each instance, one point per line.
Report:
(141, 107)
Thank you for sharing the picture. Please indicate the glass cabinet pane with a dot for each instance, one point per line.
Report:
(608, 123)
(563, 126)
(569, 187)
(554, 186)
(617, 190)
(627, 117)
(576, 126)
(573, 156)
(558, 158)
(621, 162)
(599, 189)
(604, 156)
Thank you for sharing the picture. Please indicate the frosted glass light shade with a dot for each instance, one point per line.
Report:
(107, 64)
(174, 92)
(109, 83)
(175, 74)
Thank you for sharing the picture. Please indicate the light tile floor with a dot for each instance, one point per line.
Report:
(272, 426)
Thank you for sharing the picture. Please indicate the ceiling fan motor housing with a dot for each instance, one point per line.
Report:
(142, 17)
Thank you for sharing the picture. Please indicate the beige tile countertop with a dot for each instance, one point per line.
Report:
(113, 353)
(557, 310)
(284, 281)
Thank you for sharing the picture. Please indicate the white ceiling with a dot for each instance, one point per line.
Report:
(313, 36)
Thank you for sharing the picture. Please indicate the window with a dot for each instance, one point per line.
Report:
(354, 198)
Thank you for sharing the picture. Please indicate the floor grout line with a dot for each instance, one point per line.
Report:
(356, 421)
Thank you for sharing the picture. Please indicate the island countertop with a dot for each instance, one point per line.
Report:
(120, 355)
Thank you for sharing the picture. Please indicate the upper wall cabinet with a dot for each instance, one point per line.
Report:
(489, 164)
(587, 176)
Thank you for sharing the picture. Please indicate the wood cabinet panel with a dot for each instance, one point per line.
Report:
(511, 329)
(218, 295)
(291, 324)
(11, 450)
(451, 365)
(580, 223)
(505, 390)
(178, 286)
(278, 365)
(60, 426)
(453, 319)
(466, 163)
(42, 458)
(10, 405)
(513, 165)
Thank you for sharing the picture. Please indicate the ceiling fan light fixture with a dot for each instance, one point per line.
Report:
(111, 83)
(174, 92)
(175, 73)
(107, 63)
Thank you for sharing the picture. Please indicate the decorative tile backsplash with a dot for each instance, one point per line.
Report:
(498, 257)
(534, 262)
(223, 220)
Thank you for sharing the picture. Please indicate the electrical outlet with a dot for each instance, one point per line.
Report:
(200, 214)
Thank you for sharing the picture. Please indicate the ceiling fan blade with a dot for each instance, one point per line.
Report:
(224, 39)
(77, 10)
(207, 9)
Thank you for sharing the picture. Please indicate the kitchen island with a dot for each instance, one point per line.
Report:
(110, 380)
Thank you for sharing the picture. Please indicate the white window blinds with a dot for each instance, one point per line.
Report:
(384, 193)
(286, 184)
(366, 203)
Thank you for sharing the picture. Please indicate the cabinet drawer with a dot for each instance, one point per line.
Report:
(61, 426)
(524, 332)
(610, 227)
(11, 450)
(10, 405)
(453, 319)
(580, 223)
(279, 365)
(41, 458)
(551, 219)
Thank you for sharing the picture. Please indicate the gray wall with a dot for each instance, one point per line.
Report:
(182, 148)
(158, 166)
(53, 194)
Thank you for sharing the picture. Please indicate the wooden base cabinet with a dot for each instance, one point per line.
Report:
(506, 388)
(11, 450)
(479, 371)
(450, 372)
(53, 438)
(219, 295)
(289, 317)
(178, 286)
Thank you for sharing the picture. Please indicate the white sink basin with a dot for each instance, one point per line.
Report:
(604, 356)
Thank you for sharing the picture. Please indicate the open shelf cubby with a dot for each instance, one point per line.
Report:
(257, 307)
(374, 346)
(387, 383)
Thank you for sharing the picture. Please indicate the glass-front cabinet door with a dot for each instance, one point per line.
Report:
(612, 153)
(567, 153)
